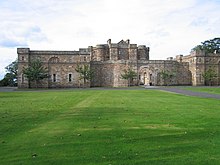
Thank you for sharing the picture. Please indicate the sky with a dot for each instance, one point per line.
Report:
(168, 27)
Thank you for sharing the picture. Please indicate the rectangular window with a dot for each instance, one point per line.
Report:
(70, 77)
(54, 78)
(22, 78)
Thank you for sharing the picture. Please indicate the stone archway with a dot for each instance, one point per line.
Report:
(148, 76)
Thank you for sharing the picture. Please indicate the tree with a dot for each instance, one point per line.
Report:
(209, 76)
(10, 79)
(209, 46)
(85, 73)
(35, 72)
(128, 75)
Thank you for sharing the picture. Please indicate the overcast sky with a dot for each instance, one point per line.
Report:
(168, 27)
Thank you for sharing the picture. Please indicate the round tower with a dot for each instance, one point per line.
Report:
(100, 52)
(143, 52)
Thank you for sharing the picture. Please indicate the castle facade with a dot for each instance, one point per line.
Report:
(109, 61)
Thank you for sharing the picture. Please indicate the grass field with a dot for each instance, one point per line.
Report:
(108, 127)
(213, 90)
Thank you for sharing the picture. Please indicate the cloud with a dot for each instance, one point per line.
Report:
(11, 43)
(20, 36)
(169, 27)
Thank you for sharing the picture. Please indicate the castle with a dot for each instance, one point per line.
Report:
(109, 61)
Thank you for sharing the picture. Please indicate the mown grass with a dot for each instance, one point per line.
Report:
(117, 127)
(212, 90)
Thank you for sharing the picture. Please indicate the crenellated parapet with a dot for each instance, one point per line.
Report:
(122, 50)
(143, 52)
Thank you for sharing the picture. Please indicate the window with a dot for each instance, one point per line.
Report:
(22, 78)
(22, 58)
(54, 78)
(107, 57)
(70, 77)
(200, 78)
(84, 58)
(54, 60)
(150, 77)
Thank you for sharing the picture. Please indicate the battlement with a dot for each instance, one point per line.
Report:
(23, 50)
(122, 50)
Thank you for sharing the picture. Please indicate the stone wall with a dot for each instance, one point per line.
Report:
(60, 65)
(151, 71)
(108, 62)
(199, 63)
(108, 73)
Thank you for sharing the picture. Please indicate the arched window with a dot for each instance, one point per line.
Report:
(54, 60)
(54, 78)
(70, 77)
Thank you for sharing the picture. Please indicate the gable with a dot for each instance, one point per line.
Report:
(123, 44)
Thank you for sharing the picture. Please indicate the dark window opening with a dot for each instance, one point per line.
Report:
(70, 77)
(150, 76)
(54, 78)
(22, 78)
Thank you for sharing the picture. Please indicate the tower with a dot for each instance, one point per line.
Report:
(23, 62)
(143, 52)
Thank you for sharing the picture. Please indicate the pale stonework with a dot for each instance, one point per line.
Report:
(108, 62)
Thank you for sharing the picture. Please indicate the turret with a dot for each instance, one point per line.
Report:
(143, 52)
(179, 58)
(100, 52)
(113, 51)
(23, 62)
(133, 52)
(23, 54)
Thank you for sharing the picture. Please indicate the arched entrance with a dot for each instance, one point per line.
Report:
(148, 76)
(53, 72)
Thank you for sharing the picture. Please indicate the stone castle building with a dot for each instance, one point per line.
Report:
(109, 61)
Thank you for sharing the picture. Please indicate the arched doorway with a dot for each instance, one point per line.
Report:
(148, 76)
(53, 72)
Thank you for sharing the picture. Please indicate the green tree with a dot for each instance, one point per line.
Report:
(10, 79)
(85, 73)
(209, 46)
(209, 76)
(129, 75)
(35, 72)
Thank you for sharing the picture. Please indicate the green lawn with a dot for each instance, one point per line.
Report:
(108, 127)
(214, 90)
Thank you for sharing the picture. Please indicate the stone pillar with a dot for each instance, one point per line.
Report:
(113, 51)
(133, 52)
(23, 62)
